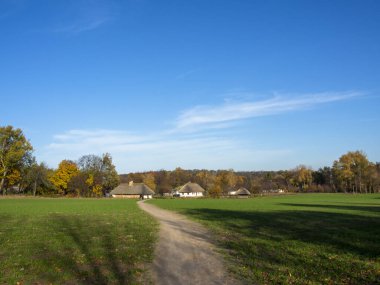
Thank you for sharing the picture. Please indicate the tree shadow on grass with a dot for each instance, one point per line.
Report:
(370, 208)
(82, 251)
(341, 231)
(344, 246)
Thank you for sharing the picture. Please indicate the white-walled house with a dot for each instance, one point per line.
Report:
(132, 190)
(189, 190)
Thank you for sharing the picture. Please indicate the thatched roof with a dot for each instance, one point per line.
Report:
(242, 191)
(191, 188)
(132, 189)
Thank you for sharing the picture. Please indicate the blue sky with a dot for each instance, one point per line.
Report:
(248, 85)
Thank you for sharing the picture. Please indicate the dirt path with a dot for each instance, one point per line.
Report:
(184, 253)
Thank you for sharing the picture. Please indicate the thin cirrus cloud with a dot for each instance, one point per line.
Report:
(83, 26)
(81, 16)
(210, 116)
(197, 148)
(140, 152)
(153, 152)
(121, 141)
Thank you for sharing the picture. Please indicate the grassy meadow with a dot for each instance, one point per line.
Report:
(295, 239)
(74, 241)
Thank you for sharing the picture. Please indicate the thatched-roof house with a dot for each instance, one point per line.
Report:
(190, 190)
(132, 190)
(242, 192)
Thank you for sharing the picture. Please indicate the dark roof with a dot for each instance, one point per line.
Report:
(134, 189)
(191, 188)
(242, 191)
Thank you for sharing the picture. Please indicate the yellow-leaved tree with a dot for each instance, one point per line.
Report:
(67, 169)
(149, 180)
(303, 177)
(94, 183)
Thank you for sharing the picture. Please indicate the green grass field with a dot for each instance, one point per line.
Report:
(298, 239)
(74, 241)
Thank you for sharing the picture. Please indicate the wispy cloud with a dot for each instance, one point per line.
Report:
(152, 152)
(121, 141)
(214, 148)
(143, 152)
(81, 16)
(210, 116)
(83, 26)
(186, 74)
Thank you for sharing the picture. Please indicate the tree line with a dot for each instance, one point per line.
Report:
(95, 176)
(90, 176)
(351, 173)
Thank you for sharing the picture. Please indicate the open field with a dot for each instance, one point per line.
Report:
(300, 239)
(74, 241)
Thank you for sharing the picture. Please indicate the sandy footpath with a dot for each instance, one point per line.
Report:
(184, 253)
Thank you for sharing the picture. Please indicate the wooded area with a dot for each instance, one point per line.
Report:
(90, 176)
(351, 173)
(95, 176)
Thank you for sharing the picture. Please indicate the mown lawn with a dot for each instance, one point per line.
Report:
(74, 241)
(299, 239)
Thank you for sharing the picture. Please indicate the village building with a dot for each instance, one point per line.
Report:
(231, 191)
(274, 191)
(133, 191)
(241, 193)
(189, 190)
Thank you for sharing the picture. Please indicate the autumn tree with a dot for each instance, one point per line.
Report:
(302, 177)
(13, 178)
(206, 179)
(94, 182)
(15, 151)
(67, 169)
(216, 190)
(179, 177)
(149, 180)
(254, 184)
(225, 180)
(163, 183)
(101, 174)
(135, 177)
(352, 171)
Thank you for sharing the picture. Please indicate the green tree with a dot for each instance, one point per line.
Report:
(15, 151)
(37, 179)
(101, 174)
(78, 185)
(110, 176)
